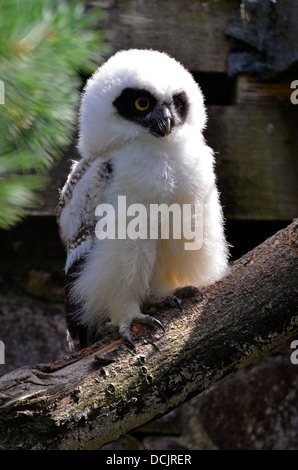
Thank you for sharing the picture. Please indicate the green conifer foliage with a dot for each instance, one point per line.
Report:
(44, 44)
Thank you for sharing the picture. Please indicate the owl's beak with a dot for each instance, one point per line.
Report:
(161, 121)
(168, 120)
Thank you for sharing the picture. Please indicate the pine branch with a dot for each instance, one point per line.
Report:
(44, 44)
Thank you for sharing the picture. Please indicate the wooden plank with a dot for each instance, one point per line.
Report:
(257, 160)
(251, 90)
(191, 31)
(49, 197)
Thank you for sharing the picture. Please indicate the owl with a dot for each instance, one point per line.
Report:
(140, 138)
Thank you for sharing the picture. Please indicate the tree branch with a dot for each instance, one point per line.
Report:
(91, 398)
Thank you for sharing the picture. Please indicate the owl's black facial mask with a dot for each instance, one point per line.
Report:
(141, 107)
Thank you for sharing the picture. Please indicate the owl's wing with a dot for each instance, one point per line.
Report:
(83, 191)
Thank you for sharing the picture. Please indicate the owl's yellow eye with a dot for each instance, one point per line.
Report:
(178, 103)
(142, 103)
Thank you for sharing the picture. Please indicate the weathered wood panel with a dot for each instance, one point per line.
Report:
(257, 159)
(192, 31)
(252, 91)
(256, 162)
(255, 136)
(48, 198)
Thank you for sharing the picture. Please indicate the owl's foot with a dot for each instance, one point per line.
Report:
(170, 301)
(145, 320)
(187, 291)
(174, 300)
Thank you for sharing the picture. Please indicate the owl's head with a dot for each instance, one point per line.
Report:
(137, 93)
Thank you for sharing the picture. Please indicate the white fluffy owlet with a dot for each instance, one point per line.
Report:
(141, 121)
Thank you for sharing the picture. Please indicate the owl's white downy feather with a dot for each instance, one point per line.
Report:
(122, 157)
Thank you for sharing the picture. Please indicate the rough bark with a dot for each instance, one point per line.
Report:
(91, 398)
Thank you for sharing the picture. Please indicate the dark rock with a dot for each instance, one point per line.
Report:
(264, 38)
(256, 408)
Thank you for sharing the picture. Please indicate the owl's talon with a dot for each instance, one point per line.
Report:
(188, 291)
(151, 321)
(144, 320)
(170, 301)
(174, 300)
(126, 335)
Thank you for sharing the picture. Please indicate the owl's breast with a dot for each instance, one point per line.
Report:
(152, 177)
